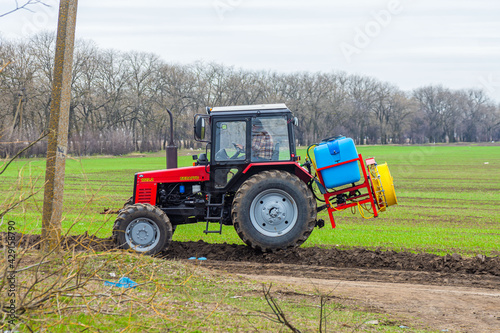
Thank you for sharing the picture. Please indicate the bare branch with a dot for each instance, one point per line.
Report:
(280, 315)
(3, 66)
(23, 150)
(25, 6)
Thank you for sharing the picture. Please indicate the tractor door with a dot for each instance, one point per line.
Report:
(229, 153)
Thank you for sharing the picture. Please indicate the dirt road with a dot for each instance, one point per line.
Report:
(441, 302)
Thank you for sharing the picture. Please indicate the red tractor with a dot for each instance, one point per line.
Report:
(249, 177)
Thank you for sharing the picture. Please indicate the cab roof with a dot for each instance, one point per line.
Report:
(250, 108)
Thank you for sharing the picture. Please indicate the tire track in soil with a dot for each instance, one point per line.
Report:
(357, 263)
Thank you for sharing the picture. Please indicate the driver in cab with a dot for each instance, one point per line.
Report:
(262, 142)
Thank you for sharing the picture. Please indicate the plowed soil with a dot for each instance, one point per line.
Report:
(443, 293)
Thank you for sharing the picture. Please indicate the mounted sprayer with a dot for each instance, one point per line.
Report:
(335, 165)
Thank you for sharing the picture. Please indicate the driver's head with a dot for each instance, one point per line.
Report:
(257, 125)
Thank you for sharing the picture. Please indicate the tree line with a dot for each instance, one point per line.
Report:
(119, 101)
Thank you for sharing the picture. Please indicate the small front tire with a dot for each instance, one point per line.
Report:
(143, 228)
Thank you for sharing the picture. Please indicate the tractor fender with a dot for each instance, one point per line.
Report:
(293, 167)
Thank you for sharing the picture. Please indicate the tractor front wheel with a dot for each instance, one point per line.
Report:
(143, 228)
(274, 210)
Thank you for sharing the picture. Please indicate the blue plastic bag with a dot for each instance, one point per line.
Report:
(124, 282)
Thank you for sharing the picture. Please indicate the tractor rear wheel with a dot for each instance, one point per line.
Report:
(143, 228)
(274, 210)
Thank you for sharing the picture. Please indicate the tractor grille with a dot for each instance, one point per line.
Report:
(144, 195)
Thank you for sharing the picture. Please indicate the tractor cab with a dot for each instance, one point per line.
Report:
(244, 136)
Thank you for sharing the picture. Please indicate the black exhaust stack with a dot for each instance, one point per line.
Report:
(171, 149)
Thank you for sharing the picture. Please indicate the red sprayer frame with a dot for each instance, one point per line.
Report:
(351, 201)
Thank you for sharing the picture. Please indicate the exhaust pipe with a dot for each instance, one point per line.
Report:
(171, 149)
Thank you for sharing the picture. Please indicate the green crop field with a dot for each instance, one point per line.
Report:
(449, 199)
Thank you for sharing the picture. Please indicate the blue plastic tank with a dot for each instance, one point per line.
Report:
(333, 152)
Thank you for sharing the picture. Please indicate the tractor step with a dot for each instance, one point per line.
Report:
(209, 218)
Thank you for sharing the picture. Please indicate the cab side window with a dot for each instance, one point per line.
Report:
(270, 139)
(230, 135)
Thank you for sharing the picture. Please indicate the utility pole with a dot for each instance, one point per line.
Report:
(58, 126)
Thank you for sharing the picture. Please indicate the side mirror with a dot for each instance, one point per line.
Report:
(296, 121)
(199, 127)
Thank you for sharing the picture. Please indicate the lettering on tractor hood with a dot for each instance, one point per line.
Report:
(190, 178)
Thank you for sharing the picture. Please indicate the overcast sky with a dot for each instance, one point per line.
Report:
(410, 43)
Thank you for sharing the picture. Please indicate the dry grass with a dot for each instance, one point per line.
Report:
(65, 292)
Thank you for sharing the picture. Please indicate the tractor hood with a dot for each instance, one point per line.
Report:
(187, 174)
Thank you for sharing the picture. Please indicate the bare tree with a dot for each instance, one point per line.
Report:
(390, 110)
(475, 105)
(441, 107)
(404, 108)
(492, 123)
(175, 90)
(363, 95)
(119, 101)
(143, 68)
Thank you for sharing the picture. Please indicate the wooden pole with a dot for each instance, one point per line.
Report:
(58, 126)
